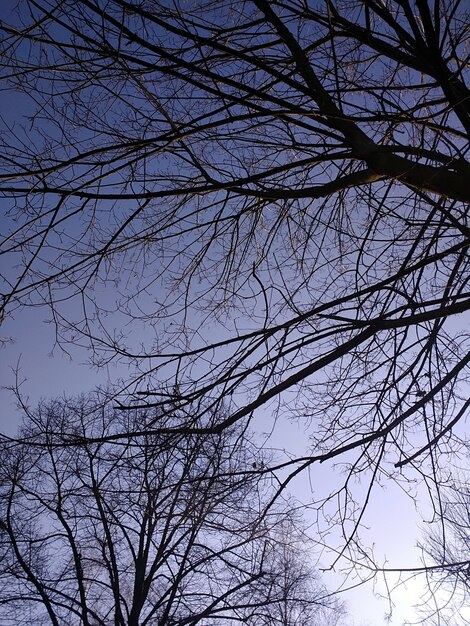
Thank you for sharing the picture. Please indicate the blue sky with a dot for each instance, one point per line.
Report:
(46, 370)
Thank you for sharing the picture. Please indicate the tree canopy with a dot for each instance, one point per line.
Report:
(256, 205)
(155, 532)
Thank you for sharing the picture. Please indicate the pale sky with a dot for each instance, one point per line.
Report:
(391, 516)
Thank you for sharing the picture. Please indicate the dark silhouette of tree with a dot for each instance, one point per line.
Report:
(275, 194)
(151, 532)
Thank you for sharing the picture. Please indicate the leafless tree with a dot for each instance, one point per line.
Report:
(293, 581)
(275, 193)
(447, 563)
(151, 532)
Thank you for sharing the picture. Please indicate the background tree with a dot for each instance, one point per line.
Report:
(275, 193)
(151, 532)
(446, 550)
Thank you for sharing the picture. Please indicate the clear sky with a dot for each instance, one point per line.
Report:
(46, 371)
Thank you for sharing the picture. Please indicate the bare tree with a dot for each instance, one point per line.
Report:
(447, 562)
(154, 531)
(275, 193)
(294, 582)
